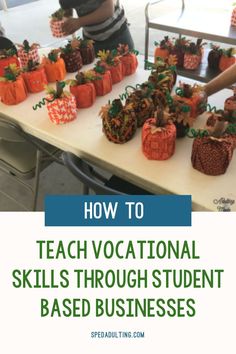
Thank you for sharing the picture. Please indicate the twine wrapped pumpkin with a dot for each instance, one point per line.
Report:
(28, 52)
(158, 138)
(103, 84)
(54, 67)
(72, 56)
(83, 89)
(212, 152)
(128, 59)
(35, 77)
(118, 122)
(12, 86)
(61, 105)
(87, 51)
(112, 62)
(7, 57)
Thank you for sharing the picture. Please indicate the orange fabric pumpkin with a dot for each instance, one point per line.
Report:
(35, 80)
(158, 143)
(116, 72)
(104, 84)
(62, 110)
(13, 92)
(6, 62)
(161, 53)
(129, 64)
(55, 71)
(226, 62)
(85, 94)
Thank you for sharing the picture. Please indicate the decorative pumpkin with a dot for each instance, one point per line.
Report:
(230, 107)
(163, 49)
(12, 86)
(142, 104)
(28, 52)
(57, 20)
(179, 113)
(87, 51)
(112, 62)
(35, 77)
(163, 74)
(104, 83)
(129, 60)
(61, 105)
(118, 121)
(83, 89)
(191, 96)
(214, 57)
(212, 154)
(178, 50)
(7, 57)
(227, 59)
(233, 17)
(158, 137)
(72, 56)
(193, 55)
(54, 67)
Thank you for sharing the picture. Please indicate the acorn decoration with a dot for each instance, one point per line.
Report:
(28, 52)
(87, 50)
(61, 105)
(128, 59)
(35, 77)
(7, 57)
(118, 121)
(103, 84)
(12, 86)
(158, 137)
(214, 57)
(83, 89)
(54, 66)
(72, 56)
(212, 150)
(111, 60)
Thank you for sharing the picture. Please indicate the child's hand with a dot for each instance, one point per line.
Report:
(71, 26)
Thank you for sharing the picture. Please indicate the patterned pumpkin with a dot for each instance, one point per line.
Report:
(28, 52)
(233, 17)
(163, 74)
(54, 67)
(191, 61)
(118, 122)
(142, 104)
(212, 156)
(56, 23)
(62, 108)
(158, 138)
(87, 51)
(12, 86)
(35, 80)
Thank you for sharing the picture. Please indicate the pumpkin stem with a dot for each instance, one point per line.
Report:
(59, 89)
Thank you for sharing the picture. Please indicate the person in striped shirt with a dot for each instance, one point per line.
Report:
(103, 21)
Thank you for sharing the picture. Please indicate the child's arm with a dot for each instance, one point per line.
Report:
(105, 11)
(225, 79)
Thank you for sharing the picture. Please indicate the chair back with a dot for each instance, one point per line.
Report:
(84, 172)
(6, 43)
(10, 131)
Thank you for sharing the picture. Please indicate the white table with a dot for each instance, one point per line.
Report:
(84, 137)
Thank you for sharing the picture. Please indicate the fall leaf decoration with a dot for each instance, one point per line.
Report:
(110, 57)
(53, 55)
(11, 73)
(58, 15)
